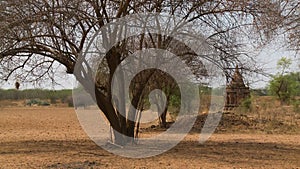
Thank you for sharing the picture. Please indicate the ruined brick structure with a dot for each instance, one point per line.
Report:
(236, 91)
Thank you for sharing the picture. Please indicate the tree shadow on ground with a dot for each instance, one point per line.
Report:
(86, 154)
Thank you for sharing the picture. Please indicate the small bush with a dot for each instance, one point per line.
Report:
(44, 103)
(68, 100)
(53, 100)
(33, 102)
(296, 106)
(37, 102)
(245, 106)
(247, 103)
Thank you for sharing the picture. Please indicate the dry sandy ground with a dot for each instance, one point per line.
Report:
(52, 138)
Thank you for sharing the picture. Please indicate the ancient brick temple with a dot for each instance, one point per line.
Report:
(236, 91)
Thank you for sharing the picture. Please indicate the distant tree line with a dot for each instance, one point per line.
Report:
(12, 94)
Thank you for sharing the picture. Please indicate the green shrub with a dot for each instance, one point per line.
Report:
(247, 103)
(37, 102)
(44, 103)
(245, 106)
(68, 100)
(53, 100)
(296, 106)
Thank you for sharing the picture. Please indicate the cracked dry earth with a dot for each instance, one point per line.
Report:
(50, 137)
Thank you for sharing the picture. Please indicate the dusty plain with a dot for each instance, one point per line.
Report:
(51, 137)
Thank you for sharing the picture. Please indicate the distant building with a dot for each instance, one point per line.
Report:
(236, 91)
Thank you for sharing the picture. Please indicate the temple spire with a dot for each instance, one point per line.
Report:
(236, 91)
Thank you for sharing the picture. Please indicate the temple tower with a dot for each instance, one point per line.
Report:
(236, 91)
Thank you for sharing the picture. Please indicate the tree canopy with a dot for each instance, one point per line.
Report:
(285, 84)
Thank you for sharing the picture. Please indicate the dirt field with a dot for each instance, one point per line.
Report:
(52, 138)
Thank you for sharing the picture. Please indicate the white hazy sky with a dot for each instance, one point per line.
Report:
(267, 58)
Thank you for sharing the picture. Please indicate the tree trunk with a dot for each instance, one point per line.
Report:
(122, 123)
(163, 118)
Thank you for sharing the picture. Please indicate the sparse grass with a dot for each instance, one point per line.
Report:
(266, 114)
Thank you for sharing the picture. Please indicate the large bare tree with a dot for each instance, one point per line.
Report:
(35, 35)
